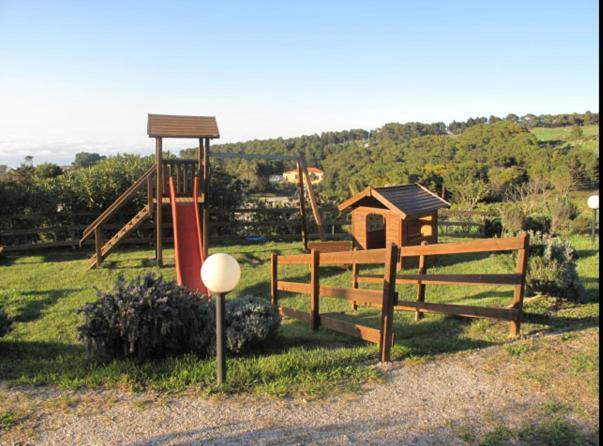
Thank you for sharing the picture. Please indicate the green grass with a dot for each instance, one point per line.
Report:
(41, 292)
(588, 141)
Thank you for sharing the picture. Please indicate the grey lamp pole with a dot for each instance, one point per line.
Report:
(220, 273)
(220, 339)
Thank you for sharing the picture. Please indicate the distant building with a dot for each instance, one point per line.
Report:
(3, 171)
(275, 179)
(314, 173)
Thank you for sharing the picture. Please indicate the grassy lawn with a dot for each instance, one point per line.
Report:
(41, 292)
(588, 141)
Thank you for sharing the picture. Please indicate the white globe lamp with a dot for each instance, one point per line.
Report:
(220, 274)
(593, 203)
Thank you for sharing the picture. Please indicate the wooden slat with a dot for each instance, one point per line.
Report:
(295, 259)
(352, 294)
(360, 331)
(448, 279)
(293, 287)
(459, 310)
(331, 246)
(295, 314)
(362, 257)
(492, 245)
(315, 289)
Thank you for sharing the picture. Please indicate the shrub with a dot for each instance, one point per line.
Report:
(5, 323)
(250, 322)
(150, 318)
(552, 267)
(147, 318)
(511, 217)
(537, 223)
(582, 224)
(562, 210)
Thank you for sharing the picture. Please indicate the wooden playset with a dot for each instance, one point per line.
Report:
(183, 185)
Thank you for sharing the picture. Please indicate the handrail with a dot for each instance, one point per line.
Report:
(118, 203)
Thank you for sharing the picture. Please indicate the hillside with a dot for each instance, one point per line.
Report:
(474, 161)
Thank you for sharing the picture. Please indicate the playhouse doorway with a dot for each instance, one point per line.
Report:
(375, 231)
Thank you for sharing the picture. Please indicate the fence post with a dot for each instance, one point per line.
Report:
(274, 279)
(355, 270)
(519, 290)
(421, 286)
(389, 297)
(315, 289)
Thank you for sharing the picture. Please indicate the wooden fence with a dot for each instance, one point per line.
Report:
(387, 299)
(33, 231)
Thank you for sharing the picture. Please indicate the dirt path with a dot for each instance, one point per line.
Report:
(445, 401)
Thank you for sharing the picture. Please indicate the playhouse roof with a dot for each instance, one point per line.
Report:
(175, 126)
(407, 199)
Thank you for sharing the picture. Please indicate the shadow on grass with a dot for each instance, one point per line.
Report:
(40, 299)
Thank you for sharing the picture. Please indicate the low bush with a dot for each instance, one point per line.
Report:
(250, 322)
(150, 318)
(5, 323)
(537, 223)
(512, 218)
(552, 267)
(147, 318)
(562, 211)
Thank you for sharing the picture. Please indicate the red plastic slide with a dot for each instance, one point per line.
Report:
(188, 246)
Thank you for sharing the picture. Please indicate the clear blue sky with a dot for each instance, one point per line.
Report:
(81, 76)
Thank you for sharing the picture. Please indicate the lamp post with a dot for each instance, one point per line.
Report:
(220, 274)
(593, 203)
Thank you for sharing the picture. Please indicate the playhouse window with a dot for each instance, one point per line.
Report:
(375, 222)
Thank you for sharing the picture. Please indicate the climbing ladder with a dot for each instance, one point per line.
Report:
(102, 248)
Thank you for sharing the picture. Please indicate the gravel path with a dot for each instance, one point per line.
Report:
(434, 402)
(416, 405)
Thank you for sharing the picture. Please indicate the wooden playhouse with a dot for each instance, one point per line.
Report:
(405, 215)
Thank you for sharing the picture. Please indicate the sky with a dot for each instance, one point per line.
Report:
(82, 76)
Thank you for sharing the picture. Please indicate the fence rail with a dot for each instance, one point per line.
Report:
(35, 231)
(387, 299)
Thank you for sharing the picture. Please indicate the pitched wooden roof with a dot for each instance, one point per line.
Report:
(174, 126)
(407, 200)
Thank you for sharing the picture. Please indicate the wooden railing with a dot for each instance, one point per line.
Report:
(145, 179)
(517, 279)
(183, 171)
(385, 298)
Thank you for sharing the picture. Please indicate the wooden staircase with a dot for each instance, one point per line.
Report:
(102, 248)
(141, 216)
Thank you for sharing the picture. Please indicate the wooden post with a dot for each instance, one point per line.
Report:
(205, 224)
(421, 286)
(315, 289)
(389, 298)
(355, 270)
(302, 207)
(312, 198)
(98, 245)
(274, 279)
(519, 290)
(159, 197)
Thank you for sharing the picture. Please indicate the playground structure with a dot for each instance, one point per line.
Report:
(387, 298)
(183, 184)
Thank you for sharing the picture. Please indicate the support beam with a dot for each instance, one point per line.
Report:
(312, 198)
(302, 206)
(158, 211)
(205, 187)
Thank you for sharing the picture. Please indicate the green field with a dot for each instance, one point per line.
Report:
(588, 141)
(41, 292)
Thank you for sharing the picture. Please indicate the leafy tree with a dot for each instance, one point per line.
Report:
(87, 159)
(48, 170)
